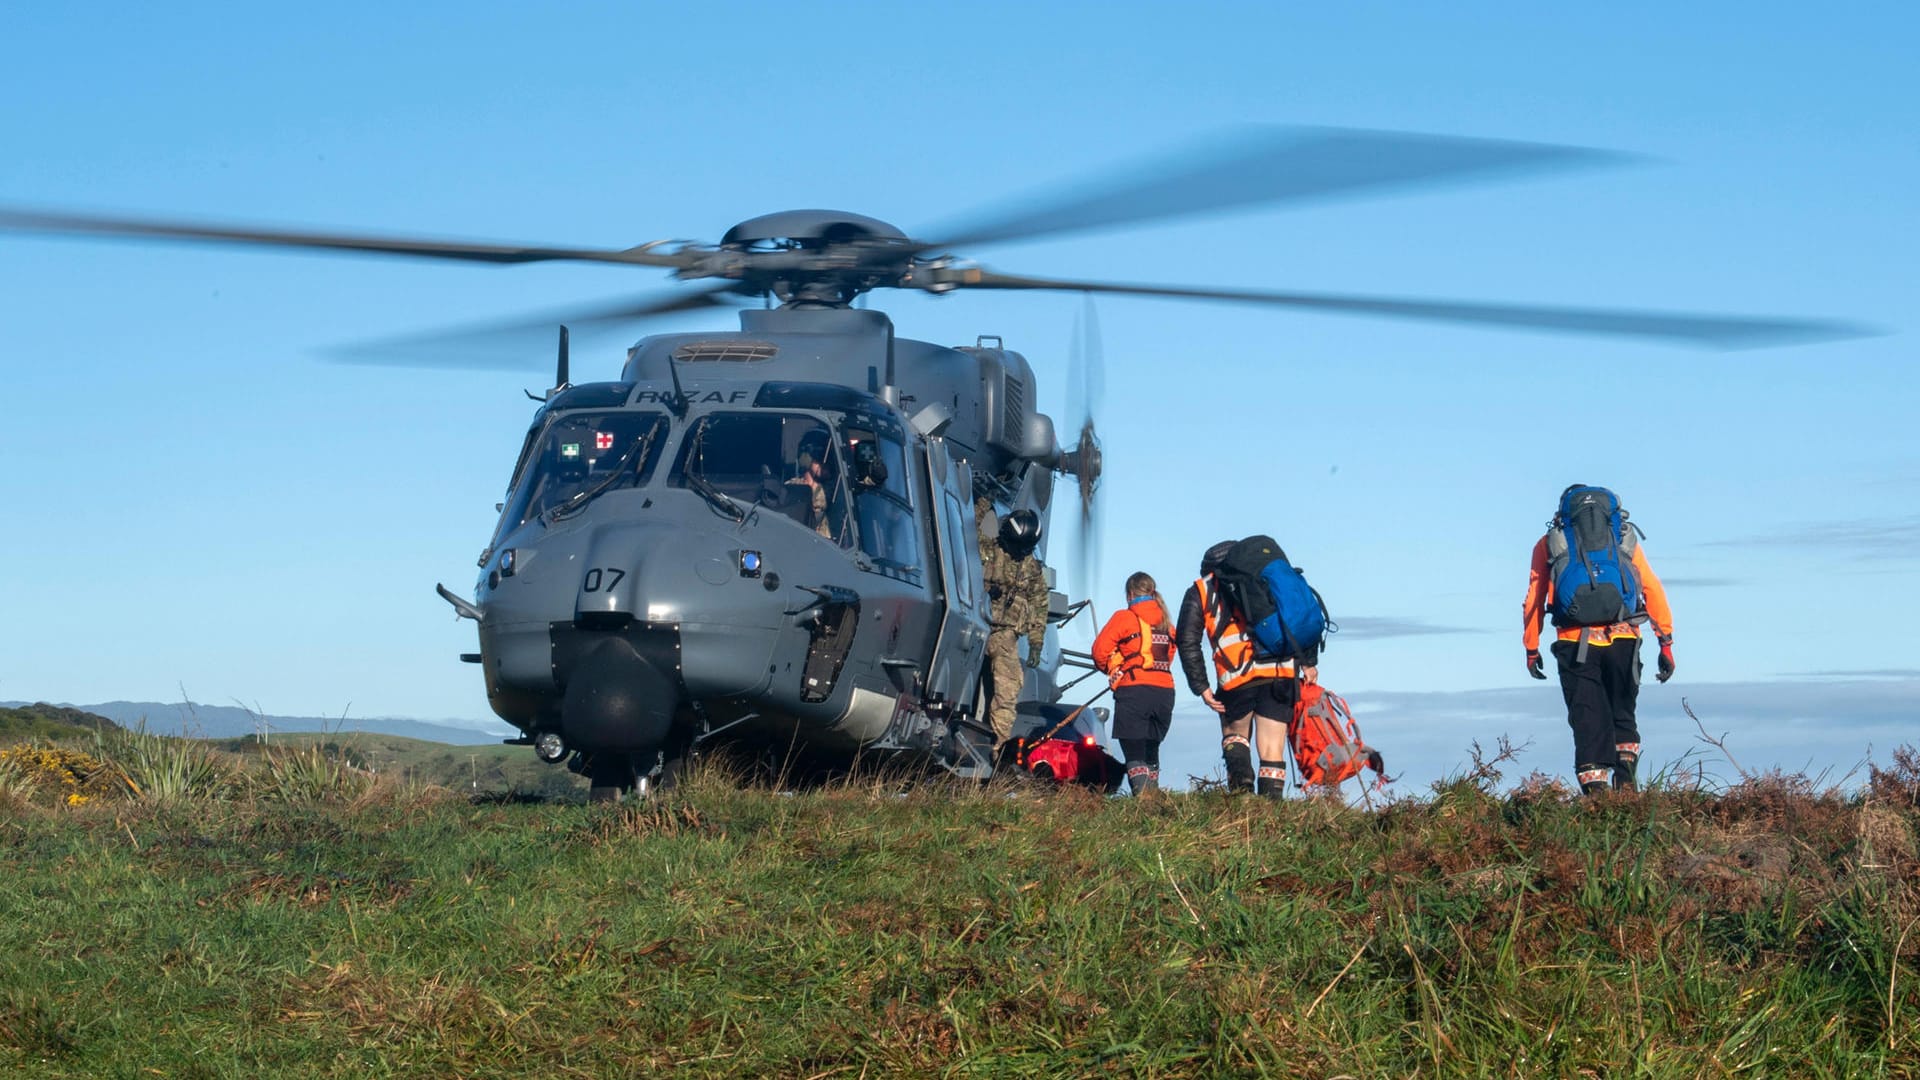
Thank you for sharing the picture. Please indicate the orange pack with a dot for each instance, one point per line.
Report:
(1326, 742)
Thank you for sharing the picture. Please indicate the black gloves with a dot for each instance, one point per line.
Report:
(1665, 670)
(1033, 658)
(1536, 667)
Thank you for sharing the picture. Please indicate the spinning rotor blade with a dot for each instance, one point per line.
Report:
(1705, 331)
(1092, 385)
(18, 220)
(1086, 381)
(1274, 166)
(521, 343)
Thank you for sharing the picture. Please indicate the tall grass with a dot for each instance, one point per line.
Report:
(163, 769)
(310, 774)
(16, 781)
(896, 926)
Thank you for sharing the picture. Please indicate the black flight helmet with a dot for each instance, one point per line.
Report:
(1020, 533)
(812, 450)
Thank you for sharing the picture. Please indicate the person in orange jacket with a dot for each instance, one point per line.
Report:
(1135, 650)
(1599, 664)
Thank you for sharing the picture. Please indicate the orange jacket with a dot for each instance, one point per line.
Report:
(1119, 645)
(1540, 597)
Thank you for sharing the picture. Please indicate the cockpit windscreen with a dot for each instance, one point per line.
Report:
(579, 456)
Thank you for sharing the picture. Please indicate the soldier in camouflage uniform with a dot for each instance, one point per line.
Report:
(1017, 584)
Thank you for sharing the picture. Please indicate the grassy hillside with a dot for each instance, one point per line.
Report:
(263, 927)
(473, 770)
(43, 723)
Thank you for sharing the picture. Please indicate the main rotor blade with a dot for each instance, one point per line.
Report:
(1272, 166)
(36, 221)
(1705, 331)
(521, 343)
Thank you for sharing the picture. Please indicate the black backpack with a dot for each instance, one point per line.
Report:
(1284, 616)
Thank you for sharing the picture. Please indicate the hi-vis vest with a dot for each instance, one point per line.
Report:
(1233, 660)
(1152, 650)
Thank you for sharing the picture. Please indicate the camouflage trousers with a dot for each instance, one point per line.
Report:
(1003, 661)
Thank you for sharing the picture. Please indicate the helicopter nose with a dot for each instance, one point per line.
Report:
(617, 700)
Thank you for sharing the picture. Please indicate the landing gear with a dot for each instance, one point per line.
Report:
(609, 776)
(613, 776)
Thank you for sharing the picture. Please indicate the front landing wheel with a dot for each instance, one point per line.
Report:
(609, 777)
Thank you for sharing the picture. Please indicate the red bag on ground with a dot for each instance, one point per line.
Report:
(1058, 755)
(1326, 742)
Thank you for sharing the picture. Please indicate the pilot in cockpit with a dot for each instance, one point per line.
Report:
(807, 483)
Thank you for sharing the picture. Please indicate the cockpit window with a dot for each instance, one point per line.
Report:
(785, 462)
(877, 472)
(578, 456)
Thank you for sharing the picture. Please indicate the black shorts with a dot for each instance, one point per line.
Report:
(1142, 712)
(1271, 698)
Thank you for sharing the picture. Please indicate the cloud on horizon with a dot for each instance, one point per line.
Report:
(1864, 539)
(1859, 673)
(1373, 627)
(1820, 724)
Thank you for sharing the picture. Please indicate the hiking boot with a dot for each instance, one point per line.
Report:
(1144, 785)
(1626, 773)
(1594, 779)
(1239, 761)
(1273, 779)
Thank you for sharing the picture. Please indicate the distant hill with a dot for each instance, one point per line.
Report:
(20, 722)
(495, 769)
(227, 722)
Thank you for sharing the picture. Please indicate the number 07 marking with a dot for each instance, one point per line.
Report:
(598, 579)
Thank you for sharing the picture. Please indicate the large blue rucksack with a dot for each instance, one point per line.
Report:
(1284, 615)
(1590, 547)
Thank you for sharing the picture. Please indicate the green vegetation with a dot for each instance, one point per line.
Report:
(472, 770)
(333, 922)
(45, 723)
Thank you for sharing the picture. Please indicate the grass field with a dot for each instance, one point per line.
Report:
(324, 922)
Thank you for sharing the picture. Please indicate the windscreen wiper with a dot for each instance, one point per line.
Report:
(720, 500)
(579, 500)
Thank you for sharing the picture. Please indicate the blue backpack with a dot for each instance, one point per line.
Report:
(1590, 548)
(1284, 615)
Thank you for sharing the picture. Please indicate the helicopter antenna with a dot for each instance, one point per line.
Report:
(889, 393)
(678, 405)
(560, 378)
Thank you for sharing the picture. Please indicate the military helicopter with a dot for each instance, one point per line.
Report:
(766, 538)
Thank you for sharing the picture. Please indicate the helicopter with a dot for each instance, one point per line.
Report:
(768, 539)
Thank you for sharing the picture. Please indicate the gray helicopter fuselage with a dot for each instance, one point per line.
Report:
(665, 571)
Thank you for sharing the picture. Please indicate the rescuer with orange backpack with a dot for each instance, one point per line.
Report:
(1135, 651)
(1590, 573)
(1257, 694)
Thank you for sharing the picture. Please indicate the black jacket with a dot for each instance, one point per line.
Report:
(1190, 638)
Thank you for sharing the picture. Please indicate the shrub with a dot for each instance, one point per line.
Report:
(312, 774)
(1899, 785)
(159, 768)
(33, 773)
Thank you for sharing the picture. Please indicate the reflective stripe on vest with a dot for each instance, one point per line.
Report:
(1233, 660)
(1158, 641)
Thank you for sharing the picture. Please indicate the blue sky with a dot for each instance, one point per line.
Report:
(195, 501)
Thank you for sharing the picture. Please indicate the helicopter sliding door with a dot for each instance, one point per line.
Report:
(958, 653)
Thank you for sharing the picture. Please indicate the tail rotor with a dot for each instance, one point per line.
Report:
(1086, 383)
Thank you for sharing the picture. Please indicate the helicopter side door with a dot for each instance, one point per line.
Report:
(953, 671)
